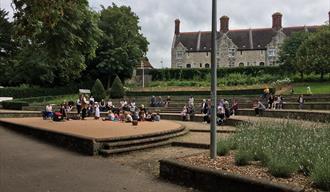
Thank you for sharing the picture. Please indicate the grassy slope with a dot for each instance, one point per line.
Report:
(316, 88)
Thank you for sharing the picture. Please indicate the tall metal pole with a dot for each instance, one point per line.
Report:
(213, 145)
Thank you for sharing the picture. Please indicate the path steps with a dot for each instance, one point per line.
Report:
(116, 147)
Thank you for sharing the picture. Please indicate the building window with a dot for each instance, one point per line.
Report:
(271, 52)
(207, 53)
(218, 61)
(241, 64)
(188, 65)
(241, 52)
(231, 64)
(200, 65)
(207, 65)
(179, 54)
(261, 64)
(231, 52)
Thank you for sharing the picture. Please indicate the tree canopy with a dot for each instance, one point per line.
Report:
(122, 45)
(316, 51)
(55, 38)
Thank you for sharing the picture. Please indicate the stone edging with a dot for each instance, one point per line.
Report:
(207, 179)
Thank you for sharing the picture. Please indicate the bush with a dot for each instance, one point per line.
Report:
(16, 105)
(321, 172)
(281, 166)
(117, 89)
(223, 147)
(243, 157)
(98, 91)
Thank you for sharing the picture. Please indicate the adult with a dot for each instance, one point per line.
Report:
(48, 113)
(301, 101)
(191, 101)
(78, 104)
(103, 105)
(84, 105)
(97, 111)
(271, 101)
(234, 107)
(259, 108)
(153, 101)
(167, 101)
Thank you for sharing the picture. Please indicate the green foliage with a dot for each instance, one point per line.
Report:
(223, 147)
(55, 39)
(288, 53)
(98, 91)
(286, 147)
(122, 45)
(7, 49)
(117, 89)
(321, 172)
(220, 92)
(202, 74)
(18, 92)
(16, 105)
(315, 51)
(243, 157)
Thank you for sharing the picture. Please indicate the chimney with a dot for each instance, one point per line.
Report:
(224, 24)
(177, 27)
(277, 21)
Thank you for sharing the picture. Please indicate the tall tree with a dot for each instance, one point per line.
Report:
(7, 48)
(316, 51)
(122, 45)
(288, 53)
(55, 38)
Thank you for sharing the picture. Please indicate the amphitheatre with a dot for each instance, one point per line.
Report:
(118, 140)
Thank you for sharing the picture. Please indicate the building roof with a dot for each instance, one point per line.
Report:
(242, 38)
(146, 64)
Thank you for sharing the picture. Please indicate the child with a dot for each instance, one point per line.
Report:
(97, 111)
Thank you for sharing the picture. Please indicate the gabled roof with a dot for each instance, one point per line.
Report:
(261, 37)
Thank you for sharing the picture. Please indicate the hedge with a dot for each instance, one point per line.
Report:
(178, 93)
(189, 74)
(35, 92)
(17, 105)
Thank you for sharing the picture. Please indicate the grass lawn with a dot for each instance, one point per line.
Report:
(316, 88)
(50, 99)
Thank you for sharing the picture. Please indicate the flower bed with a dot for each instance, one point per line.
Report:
(283, 151)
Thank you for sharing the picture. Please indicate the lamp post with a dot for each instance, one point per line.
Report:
(213, 136)
(142, 66)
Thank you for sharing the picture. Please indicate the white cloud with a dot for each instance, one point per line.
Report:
(157, 17)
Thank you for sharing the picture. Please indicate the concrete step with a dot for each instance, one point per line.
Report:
(124, 144)
(108, 152)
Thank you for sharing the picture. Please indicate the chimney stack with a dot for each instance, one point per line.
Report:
(224, 24)
(177, 27)
(277, 21)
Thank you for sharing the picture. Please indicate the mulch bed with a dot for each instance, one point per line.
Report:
(254, 169)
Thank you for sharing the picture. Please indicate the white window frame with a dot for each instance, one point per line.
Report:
(271, 52)
(231, 52)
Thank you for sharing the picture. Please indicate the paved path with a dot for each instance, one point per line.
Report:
(28, 165)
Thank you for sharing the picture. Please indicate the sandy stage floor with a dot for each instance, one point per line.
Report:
(97, 129)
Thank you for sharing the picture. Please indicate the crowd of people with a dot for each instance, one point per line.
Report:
(125, 111)
(224, 110)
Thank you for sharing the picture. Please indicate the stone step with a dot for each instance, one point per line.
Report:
(108, 152)
(124, 144)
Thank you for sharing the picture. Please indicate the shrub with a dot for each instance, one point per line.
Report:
(321, 172)
(243, 157)
(223, 147)
(16, 105)
(98, 90)
(281, 166)
(117, 89)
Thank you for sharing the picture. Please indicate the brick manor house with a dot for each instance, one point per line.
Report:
(236, 48)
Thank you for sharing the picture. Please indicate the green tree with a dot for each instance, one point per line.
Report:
(7, 48)
(98, 90)
(288, 53)
(117, 89)
(122, 45)
(55, 38)
(315, 51)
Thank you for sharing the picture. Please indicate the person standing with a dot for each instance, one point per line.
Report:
(78, 105)
(97, 111)
(84, 105)
(301, 101)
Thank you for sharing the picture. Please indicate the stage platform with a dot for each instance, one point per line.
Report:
(89, 136)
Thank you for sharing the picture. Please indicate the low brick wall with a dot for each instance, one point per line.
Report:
(210, 180)
(81, 145)
(303, 115)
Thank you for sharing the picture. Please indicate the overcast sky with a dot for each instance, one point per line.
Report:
(157, 17)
